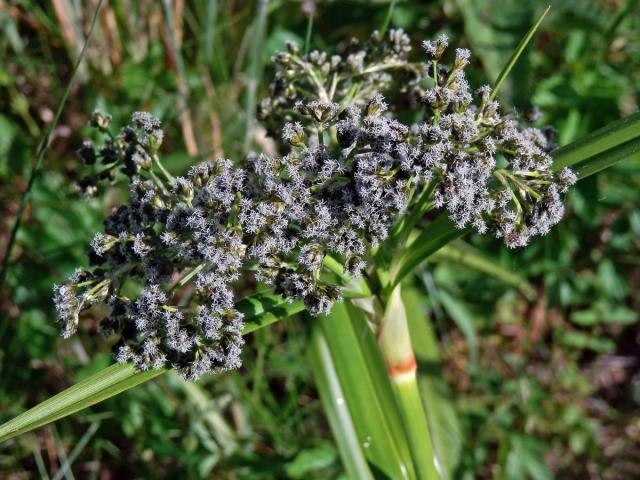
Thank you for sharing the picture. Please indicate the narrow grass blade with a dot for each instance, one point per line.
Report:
(625, 11)
(367, 391)
(444, 426)
(254, 70)
(260, 310)
(465, 254)
(104, 384)
(333, 400)
(307, 36)
(42, 148)
(463, 319)
(387, 19)
(597, 142)
(516, 54)
(77, 450)
(209, 30)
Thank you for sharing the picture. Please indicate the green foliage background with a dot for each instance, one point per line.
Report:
(545, 385)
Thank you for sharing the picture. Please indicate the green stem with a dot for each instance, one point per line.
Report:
(183, 281)
(395, 344)
(170, 178)
(254, 68)
(415, 421)
(42, 148)
(420, 208)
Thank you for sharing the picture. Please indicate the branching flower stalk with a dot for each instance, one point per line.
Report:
(329, 214)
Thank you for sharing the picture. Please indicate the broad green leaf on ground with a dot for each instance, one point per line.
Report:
(463, 319)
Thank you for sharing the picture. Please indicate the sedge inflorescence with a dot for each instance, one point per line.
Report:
(348, 170)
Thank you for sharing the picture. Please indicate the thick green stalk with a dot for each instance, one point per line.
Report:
(416, 424)
(446, 434)
(439, 232)
(395, 344)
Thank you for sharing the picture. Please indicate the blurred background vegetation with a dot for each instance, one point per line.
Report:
(544, 378)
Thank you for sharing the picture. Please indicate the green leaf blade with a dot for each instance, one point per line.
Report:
(516, 54)
(260, 310)
(367, 391)
(468, 256)
(608, 158)
(598, 142)
(104, 384)
(336, 409)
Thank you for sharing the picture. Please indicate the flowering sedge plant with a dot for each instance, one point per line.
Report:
(384, 155)
(352, 179)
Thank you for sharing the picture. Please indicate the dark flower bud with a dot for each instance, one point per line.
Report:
(323, 111)
(128, 134)
(108, 153)
(293, 48)
(311, 257)
(102, 243)
(140, 157)
(87, 153)
(533, 114)
(435, 49)
(145, 121)
(100, 120)
(154, 140)
(283, 58)
(87, 187)
(550, 133)
(566, 178)
(184, 188)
